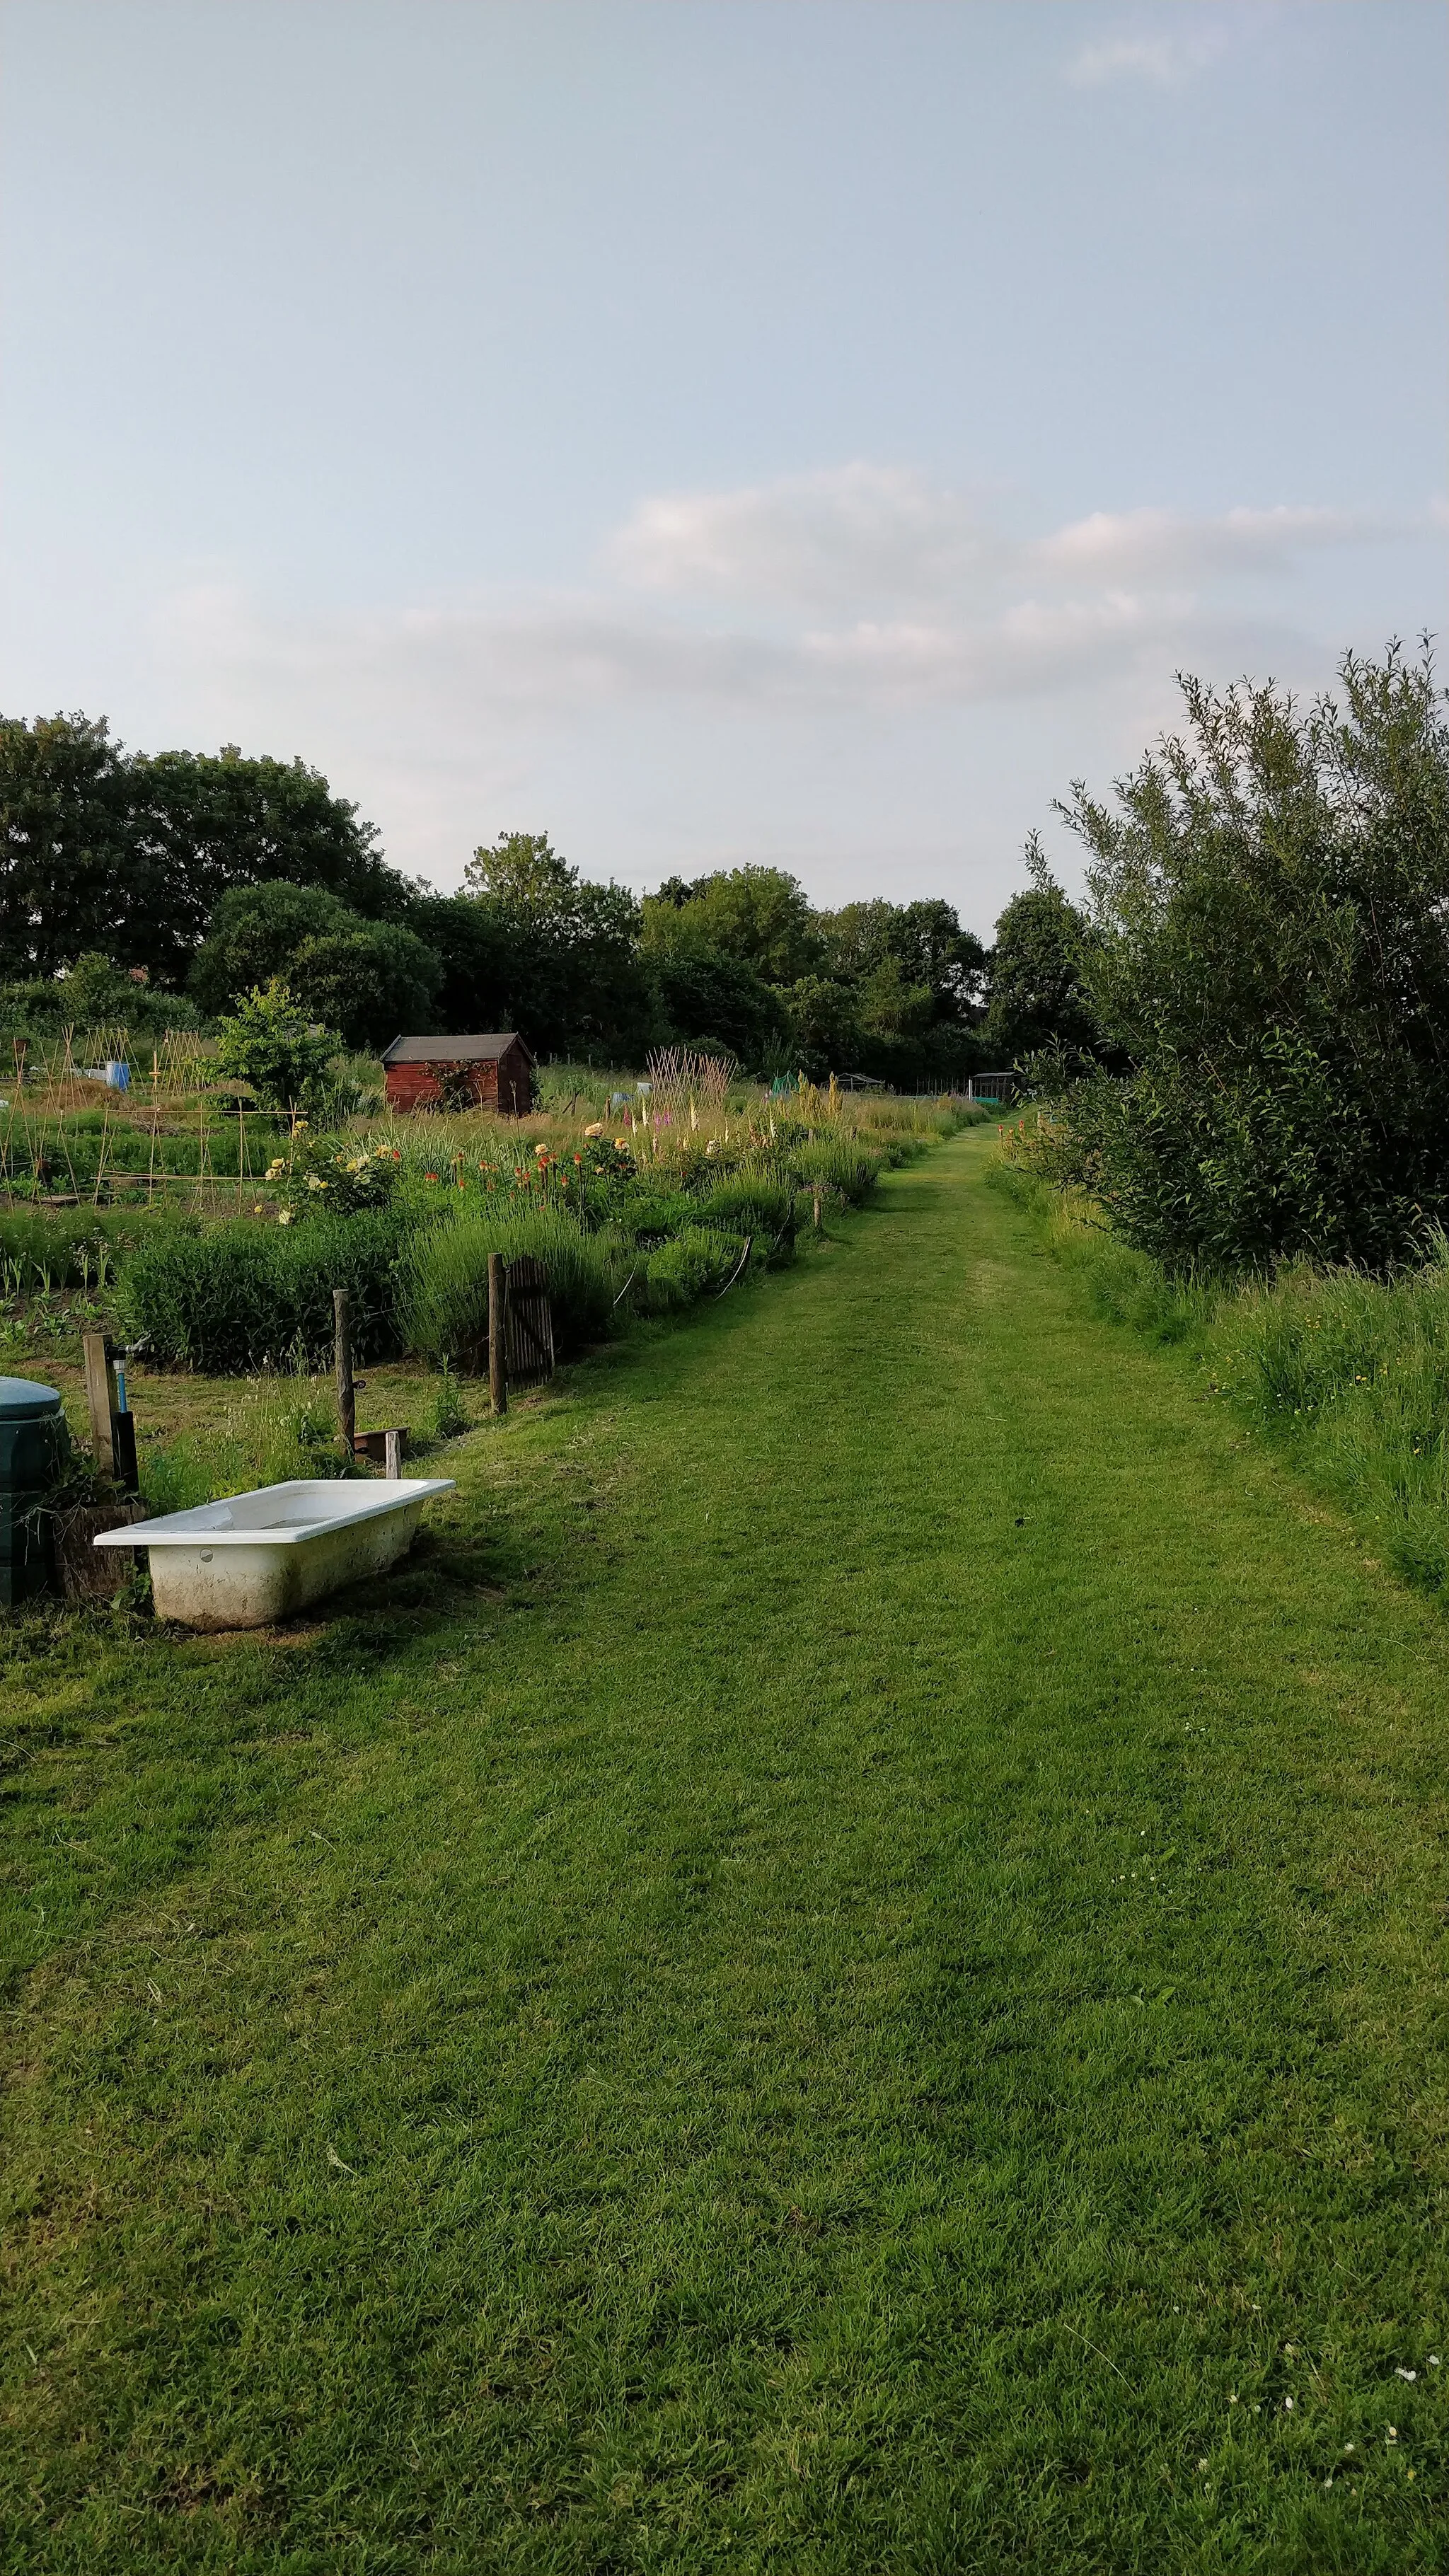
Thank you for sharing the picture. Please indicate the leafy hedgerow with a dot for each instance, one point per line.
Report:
(443, 1281)
(247, 1297)
(749, 1202)
(853, 1170)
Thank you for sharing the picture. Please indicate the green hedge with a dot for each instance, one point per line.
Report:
(853, 1170)
(443, 1285)
(699, 1261)
(249, 1296)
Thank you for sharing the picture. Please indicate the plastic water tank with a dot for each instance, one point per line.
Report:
(33, 1444)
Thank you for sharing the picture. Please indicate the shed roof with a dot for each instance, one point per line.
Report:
(454, 1050)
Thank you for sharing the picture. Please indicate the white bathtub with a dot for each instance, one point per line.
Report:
(259, 1557)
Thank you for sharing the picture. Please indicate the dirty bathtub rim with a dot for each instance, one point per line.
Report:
(254, 1558)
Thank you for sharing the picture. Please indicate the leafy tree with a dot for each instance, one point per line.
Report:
(889, 1007)
(924, 940)
(203, 824)
(1270, 951)
(64, 846)
(758, 914)
(270, 1042)
(572, 977)
(374, 980)
(477, 952)
(131, 856)
(523, 871)
(824, 1027)
(254, 933)
(1038, 998)
(707, 995)
(680, 890)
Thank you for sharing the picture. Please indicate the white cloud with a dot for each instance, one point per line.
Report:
(1164, 57)
(865, 546)
(734, 637)
(822, 539)
(1170, 545)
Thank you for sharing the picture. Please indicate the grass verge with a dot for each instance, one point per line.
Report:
(846, 1974)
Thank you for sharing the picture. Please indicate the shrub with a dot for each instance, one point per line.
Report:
(1269, 955)
(853, 1170)
(650, 1216)
(443, 1282)
(698, 1260)
(331, 1176)
(270, 1042)
(247, 1296)
(749, 1202)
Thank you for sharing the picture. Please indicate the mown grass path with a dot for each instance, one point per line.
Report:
(849, 1977)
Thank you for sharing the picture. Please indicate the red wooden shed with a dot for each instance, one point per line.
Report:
(460, 1073)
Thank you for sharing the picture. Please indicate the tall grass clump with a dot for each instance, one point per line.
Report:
(278, 1429)
(1121, 1285)
(748, 1201)
(701, 1261)
(1351, 1375)
(246, 1297)
(59, 1248)
(1346, 1372)
(443, 1280)
(851, 1169)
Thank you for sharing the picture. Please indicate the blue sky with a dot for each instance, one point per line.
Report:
(801, 430)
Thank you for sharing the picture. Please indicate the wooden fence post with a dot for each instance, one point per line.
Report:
(392, 1454)
(498, 1332)
(346, 1394)
(100, 1397)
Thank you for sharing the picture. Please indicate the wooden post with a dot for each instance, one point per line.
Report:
(392, 1454)
(346, 1394)
(817, 1210)
(123, 1430)
(101, 1398)
(498, 1332)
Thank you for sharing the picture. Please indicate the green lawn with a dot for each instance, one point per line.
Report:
(847, 1976)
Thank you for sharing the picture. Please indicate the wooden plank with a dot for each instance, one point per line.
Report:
(101, 1401)
(530, 1323)
(376, 1445)
(497, 1332)
(342, 1353)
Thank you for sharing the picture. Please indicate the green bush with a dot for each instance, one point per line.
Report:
(271, 1042)
(246, 1296)
(1268, 959)
(1351, 1374)
(650, 1216)
(697, 1261)
(853, 1170)
(443, 1282)
(749, 1201)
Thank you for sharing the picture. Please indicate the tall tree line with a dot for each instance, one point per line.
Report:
(181, 880)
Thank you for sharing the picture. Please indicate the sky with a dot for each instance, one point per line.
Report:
(812, 432)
